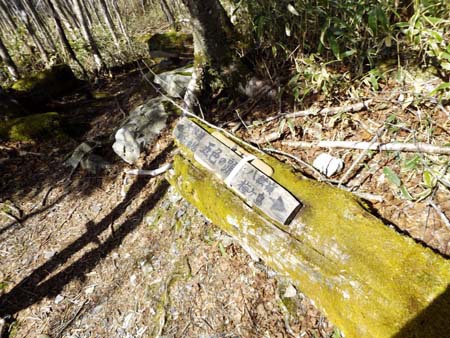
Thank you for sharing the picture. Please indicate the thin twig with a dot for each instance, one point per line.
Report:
(155, 172)
(72, 319)
(394, 146)
(11, 217)
(344, 178)
(441, 214)
(268, 138)
(324, 111)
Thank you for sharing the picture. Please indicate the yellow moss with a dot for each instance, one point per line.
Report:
(367, 278)
(31, 127)
(50, 82)
(170, 42)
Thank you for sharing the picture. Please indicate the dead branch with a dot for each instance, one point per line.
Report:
(324, 111)
(318, 175)
(394, 146)
(441, 214)
(345, 177)
(155, 172)
(268, 138)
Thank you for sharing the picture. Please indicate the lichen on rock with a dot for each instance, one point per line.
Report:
(170, 44)
(32, 127)
(46, 84)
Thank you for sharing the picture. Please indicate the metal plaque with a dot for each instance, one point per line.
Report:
(251, 184)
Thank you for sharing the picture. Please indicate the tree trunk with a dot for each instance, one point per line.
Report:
(62, 36)
(8, 17)
(212, 32)
(85, 31)
(40, 24)
(120, 22)
(24, 17)
(9, 63)
(369, 280)
(167, 12)
(109, 22)
(70, 21)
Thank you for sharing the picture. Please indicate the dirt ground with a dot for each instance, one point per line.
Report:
(113, 255)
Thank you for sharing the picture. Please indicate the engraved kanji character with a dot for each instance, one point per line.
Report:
(206, 151)
(228, 166)
(245, 188)
(215, 155)
(261, 180)
(270, 186)
(259, 199)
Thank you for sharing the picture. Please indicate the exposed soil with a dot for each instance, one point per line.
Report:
(112, 255)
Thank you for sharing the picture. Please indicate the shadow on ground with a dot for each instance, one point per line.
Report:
(433, 322)
(37, 285)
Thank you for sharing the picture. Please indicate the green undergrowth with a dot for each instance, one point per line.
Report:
(329, 44)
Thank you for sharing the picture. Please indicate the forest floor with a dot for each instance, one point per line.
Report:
(114, 255)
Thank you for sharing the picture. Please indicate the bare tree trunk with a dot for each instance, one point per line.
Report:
(9, 63)
(24, 17)
(87, 13)
(8, 17)
(62, 36)
(120, 22)
(85, 31)
(40, 24)
(69, 20)
(167, 12)
(216, 67)
(212, 32)
(109, 22)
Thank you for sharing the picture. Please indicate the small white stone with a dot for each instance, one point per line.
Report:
(328, 165)
(59, 299)
(49, 254)
(89, 290)
(290, 292)
(133, 279)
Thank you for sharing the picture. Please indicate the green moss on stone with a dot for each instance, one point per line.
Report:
(48, 83)
(32, 127)
(170, 44)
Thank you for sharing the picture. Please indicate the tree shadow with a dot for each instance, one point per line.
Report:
(433, 322)
(27, 168)
(33, 213)
(36, 286)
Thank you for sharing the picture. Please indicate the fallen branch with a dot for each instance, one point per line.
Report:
(346, 175)
(268, 138)
(441, 214)
(324, 111)
(318, 175)
(394, 146)
(155, 172)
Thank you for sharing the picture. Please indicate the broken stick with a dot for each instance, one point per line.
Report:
(394, 146)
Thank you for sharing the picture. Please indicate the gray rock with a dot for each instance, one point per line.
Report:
(144, 124)
(78, 154)
(175, 82)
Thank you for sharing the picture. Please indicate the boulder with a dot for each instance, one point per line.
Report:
(140, 129)
(31, 127)
(175, 82)
(47, 84)
(170, 45)
(9, 107)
